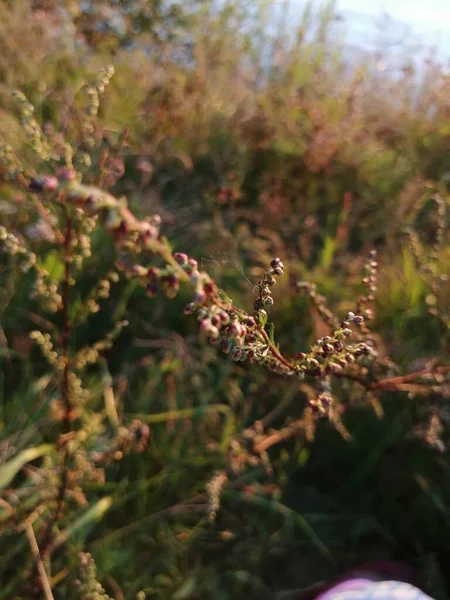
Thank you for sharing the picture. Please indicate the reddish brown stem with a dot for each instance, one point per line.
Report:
(395, 383)
(274, 350)
(392, 382)
(65, 392)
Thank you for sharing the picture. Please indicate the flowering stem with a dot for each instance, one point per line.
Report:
(65, 392)
(122, 222)
(274, 350)
(65, 389)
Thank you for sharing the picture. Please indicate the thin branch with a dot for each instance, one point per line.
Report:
(278, 436)
(275, 352)
(65, 390)
(46, 588)
(392, 382)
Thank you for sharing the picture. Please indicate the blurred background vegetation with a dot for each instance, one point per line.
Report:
(251, 141)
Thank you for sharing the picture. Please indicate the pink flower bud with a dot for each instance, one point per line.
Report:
(224, 317)
(139, 270)
(213, 333)
(181, 258)
(153, 273)
(215, 320)
(235, 328)
(189, 309)
(195, 277)
(199, 297)
(43, 184)
(65, 174)
(152, 290)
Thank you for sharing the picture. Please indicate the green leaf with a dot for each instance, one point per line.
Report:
(262, 318)
(54, 264)
(124, 299)
(186, 590)
(88, 518)
(10, 469)
(328, 252)
(223, 296)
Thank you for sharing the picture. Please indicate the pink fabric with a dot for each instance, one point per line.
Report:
(345, 586)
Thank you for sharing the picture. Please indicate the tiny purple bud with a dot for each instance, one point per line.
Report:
(50, 183)
(215, 320)
(139, 270)
(235, 328)
(36, 185)
(236, 354)
(189, 309)
(152, 290)
(224, 317)
(153, 273)
(250, 322)
(213, 333)
(149, 232)
(276, 262)
(181, 258)
(205, 323)
(199, 297)
(195, 277)
(171, 280)
(123, 228)
(258, 303)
